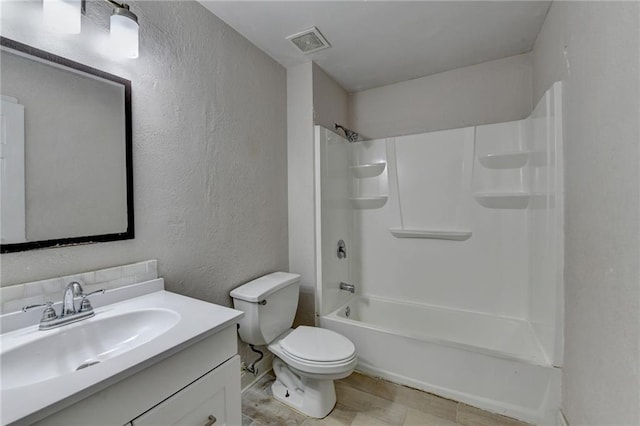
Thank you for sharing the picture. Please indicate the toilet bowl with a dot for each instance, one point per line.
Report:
(307, 362)
(307, 359)
(316, 352)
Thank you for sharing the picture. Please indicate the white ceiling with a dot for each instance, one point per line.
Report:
(382, 42)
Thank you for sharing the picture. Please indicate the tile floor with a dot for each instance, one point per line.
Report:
(367, 401)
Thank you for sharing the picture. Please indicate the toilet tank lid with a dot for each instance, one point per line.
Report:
(258, 289)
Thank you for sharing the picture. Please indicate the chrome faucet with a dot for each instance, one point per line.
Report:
(342, 250)
(68, 313)
(348, 287)
(71, 291)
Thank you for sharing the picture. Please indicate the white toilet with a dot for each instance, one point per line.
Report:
(308, 359)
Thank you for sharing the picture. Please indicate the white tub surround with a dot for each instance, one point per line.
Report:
(461, 265)
(34, 388)
(482, 360)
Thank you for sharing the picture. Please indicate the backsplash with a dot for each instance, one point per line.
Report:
(14, 297)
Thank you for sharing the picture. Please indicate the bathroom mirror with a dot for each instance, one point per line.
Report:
(66, 168)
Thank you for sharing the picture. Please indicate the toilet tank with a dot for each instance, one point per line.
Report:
(269, 304)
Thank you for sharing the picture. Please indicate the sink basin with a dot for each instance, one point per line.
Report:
(39, 356)
(135, 327)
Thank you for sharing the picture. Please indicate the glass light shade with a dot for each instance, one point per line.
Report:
(124, 33)
(62, 16)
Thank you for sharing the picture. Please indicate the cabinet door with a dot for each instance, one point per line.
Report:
(213, 399)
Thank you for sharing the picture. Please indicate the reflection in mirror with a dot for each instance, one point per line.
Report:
(65, 138)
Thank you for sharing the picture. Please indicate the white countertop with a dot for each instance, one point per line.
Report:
(198, 320)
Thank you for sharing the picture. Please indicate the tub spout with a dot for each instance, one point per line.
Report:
(348, 287)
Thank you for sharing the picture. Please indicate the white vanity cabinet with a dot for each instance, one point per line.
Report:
(210, 400)
(185, 388)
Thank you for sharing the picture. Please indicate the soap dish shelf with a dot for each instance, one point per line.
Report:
(373, 202)
(508, 160)
(431, 234)
(503, 200)
(368, 170)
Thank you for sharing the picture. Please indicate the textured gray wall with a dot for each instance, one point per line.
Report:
(210, 153)
(594, 48)
(330, 101)
(313, 98)
(491, 92)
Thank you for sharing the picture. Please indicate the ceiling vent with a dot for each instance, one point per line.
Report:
(309, 41)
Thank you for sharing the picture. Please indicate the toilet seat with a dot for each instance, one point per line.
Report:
(344, 358)
(318, 345)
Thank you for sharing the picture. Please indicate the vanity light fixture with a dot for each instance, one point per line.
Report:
(63, 16)
(124, 30)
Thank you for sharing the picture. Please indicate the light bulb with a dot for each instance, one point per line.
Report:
(62, 16)
(124, 32)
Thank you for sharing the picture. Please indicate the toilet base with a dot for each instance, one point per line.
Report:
(313, 397)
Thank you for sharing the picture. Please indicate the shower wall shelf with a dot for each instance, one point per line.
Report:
(503, 200)
(374, 202)
(507, 160)
(368, 170)
(431, 234)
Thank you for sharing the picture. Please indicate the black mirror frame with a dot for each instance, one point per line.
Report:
(129, 233)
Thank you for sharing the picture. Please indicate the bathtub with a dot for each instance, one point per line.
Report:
(490, 362)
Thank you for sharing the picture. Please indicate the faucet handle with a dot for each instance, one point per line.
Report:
(342, 250)
(48, 314)
(85, 304)
(30, 307)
